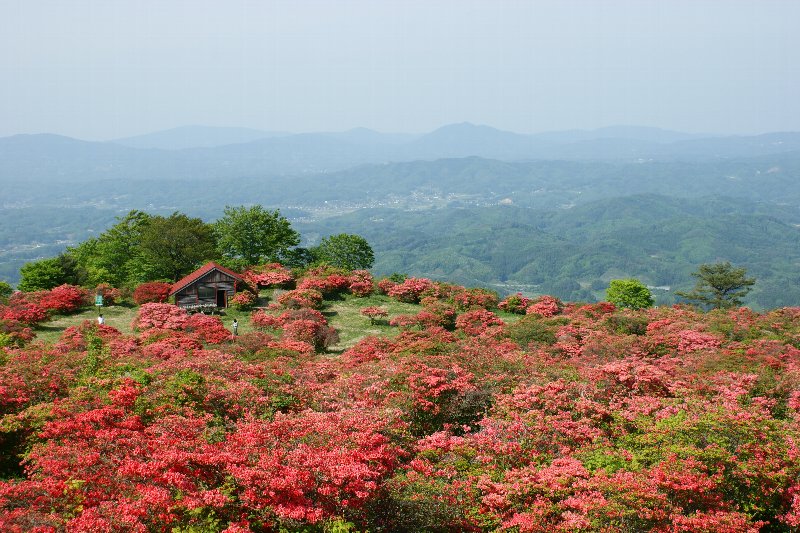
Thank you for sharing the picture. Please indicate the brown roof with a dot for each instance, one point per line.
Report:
(199, 273)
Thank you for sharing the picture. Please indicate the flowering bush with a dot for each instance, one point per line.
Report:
(269, 275)
(385, 285)
(477, 322)
(410, 290)
(63, 299)
(545, 306)
(374, 312)
(301, 298)
(469, 299)
(243, 300)
(151, 292)
(207, 328)
(160, 316)
(361, 283)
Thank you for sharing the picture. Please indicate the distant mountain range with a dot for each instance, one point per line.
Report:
(194, 152)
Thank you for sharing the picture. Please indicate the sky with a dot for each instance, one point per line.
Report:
(104, 69)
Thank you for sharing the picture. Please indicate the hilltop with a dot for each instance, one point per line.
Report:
(447, 410)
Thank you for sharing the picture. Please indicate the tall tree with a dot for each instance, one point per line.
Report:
(345, 251)
(254, 235)
(630, 293)
(719, 286)
(115, 255)
(173, 246)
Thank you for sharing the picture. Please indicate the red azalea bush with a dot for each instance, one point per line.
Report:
(207, 328)
(478, 322)
(151, 292)
(325, 279)
(161, 316)
(410, 290)
(385, 285)
(243, 300)
(361, 283)
(545, 306)
(64, 299)
(469, 299)
(300, 298)
(268, 275)
(374, 312)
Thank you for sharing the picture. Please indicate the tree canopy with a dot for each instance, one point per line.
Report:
(350, 252)
(630, 293)
(719, 286)
(254, 235)
(115, 256)
(173, 246)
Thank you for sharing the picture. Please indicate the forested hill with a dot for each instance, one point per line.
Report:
(575, 252)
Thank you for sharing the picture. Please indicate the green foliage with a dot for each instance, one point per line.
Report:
(630, 293)
(173, 246)
(115, 256)
(48, 273)
(254, 234)
(5, 291)
(350, 252)
(719, 286)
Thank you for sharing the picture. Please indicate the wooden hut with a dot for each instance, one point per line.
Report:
(207, 288)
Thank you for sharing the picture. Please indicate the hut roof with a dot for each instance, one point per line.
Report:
(199, 273)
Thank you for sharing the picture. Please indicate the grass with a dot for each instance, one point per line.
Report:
(345, 316)
(116, 316)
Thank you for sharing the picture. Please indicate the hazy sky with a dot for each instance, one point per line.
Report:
(100, 69)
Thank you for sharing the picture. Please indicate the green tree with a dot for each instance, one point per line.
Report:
(254, 235)
(6, 290)
(719, 286)
(346, 251)
(52, 272)
(115, 257)
(41, 275)
(630, 293)
(173, 246)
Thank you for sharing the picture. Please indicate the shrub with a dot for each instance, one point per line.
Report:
(374, 312)
(151, 292)
(160, 316)
(515, 303)
(477, 322)
(243, 300)
(545, 306)
(475, 299)
(269, 275)
(410, 290)
(64, 299)
(207, 328)
(361, 283)
(301, 298)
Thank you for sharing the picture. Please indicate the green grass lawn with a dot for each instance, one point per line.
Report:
(345, 316)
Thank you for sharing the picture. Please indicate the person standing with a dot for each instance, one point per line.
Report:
(101, 320)
(235, 327)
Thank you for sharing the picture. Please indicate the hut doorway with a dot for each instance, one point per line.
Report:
(222, 298)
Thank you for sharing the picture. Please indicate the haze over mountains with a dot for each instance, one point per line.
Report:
(559, 212)
(203, 152)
